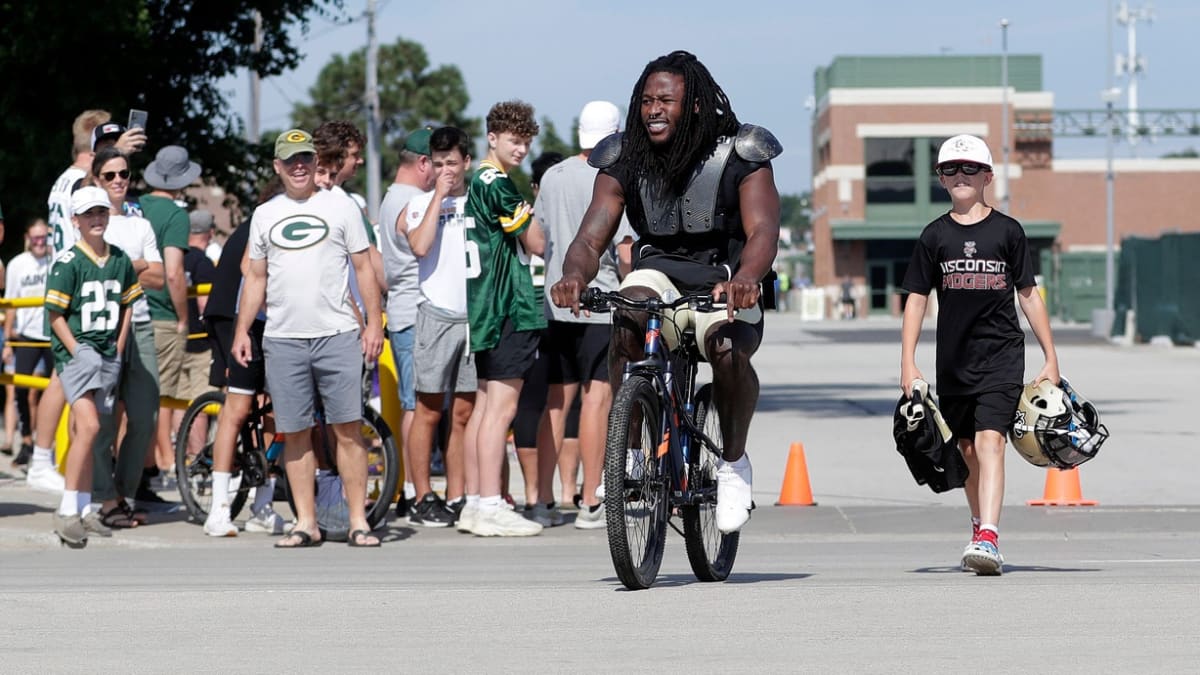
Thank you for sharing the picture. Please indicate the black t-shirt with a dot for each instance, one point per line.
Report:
(693, 261)
(975, 270)
(227, 281)
(199, 270)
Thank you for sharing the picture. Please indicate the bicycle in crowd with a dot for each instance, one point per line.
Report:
(256, 461)
(664, 442)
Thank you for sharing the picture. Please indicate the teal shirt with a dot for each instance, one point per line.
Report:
(170, 225)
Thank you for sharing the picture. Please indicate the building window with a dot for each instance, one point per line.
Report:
(937, 193)
(889, 169)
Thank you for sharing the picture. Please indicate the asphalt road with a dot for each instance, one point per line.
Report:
(866, 581)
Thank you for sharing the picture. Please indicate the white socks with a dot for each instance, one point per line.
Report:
(263, 496)
(489, 504)
(42, 457)
(74, 503)
(410, 491)
(220, 487)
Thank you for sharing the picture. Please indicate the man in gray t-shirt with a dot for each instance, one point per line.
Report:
(414, 176)
(577, 347)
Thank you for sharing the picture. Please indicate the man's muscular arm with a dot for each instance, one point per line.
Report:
(760, 219)
(582, 260)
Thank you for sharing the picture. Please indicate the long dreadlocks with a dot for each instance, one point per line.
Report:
(696, 135)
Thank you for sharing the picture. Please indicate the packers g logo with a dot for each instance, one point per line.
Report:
(296, 137)
(299, 232)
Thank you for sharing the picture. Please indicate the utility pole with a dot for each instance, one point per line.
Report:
(372, 104)
(255, 83)
(1005, 198)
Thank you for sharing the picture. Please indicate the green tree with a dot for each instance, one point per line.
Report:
(163, 56)
(411, 95)
(549, 140)
(795, 213)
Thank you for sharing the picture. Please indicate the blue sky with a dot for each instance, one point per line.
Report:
(560, 54)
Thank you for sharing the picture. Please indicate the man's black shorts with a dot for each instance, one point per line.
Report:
(986, 411)
(576, 352)
(512, 356)
(249, 379)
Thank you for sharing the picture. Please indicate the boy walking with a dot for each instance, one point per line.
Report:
(975, 257)
(504, 314)
(87, 299)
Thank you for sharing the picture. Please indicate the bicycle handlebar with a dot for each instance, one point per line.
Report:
(596, 300)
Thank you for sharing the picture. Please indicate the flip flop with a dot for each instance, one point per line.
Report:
(353, 539)
(305, 540)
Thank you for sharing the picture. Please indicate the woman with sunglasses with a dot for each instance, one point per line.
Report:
(976, 258)
(138, 392)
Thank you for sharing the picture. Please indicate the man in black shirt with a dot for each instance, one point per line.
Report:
(684, 145)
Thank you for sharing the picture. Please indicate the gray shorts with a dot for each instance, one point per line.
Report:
(89, 371)
(300, 369)
(443, 362)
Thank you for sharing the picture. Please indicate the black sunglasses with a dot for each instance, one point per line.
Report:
(110, 175)
(968, 168)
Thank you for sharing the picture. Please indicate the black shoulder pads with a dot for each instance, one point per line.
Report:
(756, 144)
(607, 151)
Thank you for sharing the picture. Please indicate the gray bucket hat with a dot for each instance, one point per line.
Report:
(171, 169)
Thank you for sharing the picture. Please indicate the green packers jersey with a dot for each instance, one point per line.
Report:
(503, 288)
(90, 294)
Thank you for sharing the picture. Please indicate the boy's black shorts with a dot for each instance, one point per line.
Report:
(985, 411)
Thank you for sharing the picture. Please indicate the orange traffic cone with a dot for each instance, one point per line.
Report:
(796, 491)
(1062, 489)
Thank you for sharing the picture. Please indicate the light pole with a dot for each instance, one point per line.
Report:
(1109, 96)
(1005, 201)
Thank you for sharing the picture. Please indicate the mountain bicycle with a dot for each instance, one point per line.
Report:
(255, 461)
(664, 442)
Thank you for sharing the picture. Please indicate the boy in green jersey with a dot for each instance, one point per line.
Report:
(87, 299)
(504, 313)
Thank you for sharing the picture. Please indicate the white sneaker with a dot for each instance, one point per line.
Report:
(504, 522)
(544, 515)
(589, 519)
(45, 477)
(265, 520)
(218, 523)
(735, 496)
(466, 518)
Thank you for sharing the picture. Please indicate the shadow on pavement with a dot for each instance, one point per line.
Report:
(15, 509)
(1008, 569)
(677, 580)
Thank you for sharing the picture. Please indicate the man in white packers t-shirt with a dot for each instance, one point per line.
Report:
(301, 246)
(435, 226)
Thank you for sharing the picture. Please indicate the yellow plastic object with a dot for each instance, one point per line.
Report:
(389, 397)
(62, 440)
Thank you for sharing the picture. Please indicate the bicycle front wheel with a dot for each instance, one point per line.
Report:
(194, 459)
(710, 551)
(635, 489)
(383, 475)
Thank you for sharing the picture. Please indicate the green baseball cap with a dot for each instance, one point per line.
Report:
(418, 141)
(291, 142)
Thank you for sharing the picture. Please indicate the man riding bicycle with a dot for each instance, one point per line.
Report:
(698, 188)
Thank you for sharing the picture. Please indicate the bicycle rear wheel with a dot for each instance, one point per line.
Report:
(383, 475)
(193, 470)
(710, 552)
(635, 495)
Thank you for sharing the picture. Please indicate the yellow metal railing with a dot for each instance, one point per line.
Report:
(388, 381)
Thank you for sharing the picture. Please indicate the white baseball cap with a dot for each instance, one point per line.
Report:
(965, 148)
(87, 198)
(597, 120)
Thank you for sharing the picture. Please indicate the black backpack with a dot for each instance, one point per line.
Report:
(926, 444)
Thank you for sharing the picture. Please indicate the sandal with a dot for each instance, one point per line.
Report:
(302, 540)
(117, 518)
(138, 515)
(368, 540)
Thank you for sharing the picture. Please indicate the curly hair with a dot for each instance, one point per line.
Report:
(331, 140)
(696, 136)
(515, 117)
